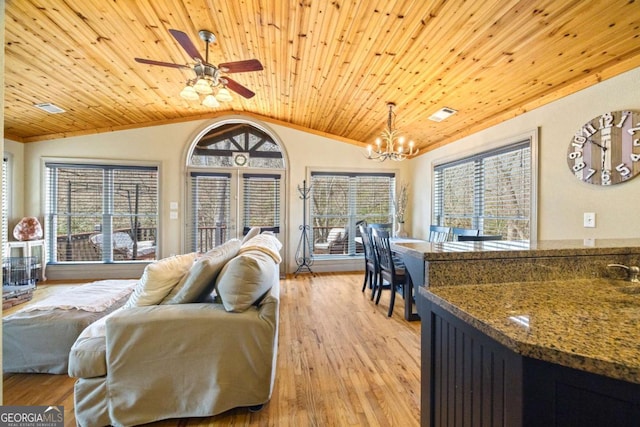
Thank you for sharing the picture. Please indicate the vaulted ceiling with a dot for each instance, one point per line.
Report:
(330, 66)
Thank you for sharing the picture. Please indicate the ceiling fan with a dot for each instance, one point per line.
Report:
(208, 76)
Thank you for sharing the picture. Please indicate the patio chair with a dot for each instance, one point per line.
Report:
(123, 245)
(322, 246)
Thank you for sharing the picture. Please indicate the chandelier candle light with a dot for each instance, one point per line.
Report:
(390, 144)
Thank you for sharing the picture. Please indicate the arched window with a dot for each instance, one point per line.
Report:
(237, 145)
(235, 182)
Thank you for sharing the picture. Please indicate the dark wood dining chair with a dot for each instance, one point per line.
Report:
(395, 276)
(438, 233)
(388, 227)
(371, 268)
(457, 232)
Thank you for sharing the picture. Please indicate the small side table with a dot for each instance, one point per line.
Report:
(27, 247)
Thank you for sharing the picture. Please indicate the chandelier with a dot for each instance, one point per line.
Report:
(390, 144)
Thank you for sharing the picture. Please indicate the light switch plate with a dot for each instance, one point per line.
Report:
(173, 206)
(589, 219)
(173, 215)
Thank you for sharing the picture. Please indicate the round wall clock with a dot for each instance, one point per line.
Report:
(606, 150)
(240, 159)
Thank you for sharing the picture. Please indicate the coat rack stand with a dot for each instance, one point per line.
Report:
(304, 255)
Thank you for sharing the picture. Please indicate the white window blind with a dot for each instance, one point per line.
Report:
(211, 210)
(490, 191)
(341, 200)
(101, 212)
(261, 202)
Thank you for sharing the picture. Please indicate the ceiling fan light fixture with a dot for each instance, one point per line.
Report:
(203, 87)
(210, 101)
(189, 93)
(224, 95)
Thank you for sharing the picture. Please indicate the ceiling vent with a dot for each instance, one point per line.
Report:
(442, 114)
(50, 108)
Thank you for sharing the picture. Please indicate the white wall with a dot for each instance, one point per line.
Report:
(16, 191)
(562, 199)
(167, 145)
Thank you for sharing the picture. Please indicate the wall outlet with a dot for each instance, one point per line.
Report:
(589, 219)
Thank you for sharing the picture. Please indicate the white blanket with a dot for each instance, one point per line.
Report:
(266, 243)
(95, 297)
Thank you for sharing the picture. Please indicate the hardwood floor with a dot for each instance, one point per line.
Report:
(341, 362)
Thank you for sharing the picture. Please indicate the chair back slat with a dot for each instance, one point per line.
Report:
(383, 248)
(388, 227)
(438, 233)
(367, 243)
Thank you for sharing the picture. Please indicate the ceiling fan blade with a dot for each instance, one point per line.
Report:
(238, 88)
(241, 66)
(163, 64)
(186, 44)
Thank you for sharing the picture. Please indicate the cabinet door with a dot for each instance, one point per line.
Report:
(468, 378)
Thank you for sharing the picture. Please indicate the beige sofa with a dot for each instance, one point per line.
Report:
(178, 358)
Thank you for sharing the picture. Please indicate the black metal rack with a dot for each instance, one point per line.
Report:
(304, 253)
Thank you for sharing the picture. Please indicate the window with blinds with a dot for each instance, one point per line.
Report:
(261, 202)
(490, 191)
(101, 213)
(210, 210)
(339, 201)
(5, 202)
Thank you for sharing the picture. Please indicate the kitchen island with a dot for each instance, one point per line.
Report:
(537, 336)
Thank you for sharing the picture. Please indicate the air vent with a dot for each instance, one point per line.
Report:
(442, 114)
(50, 108)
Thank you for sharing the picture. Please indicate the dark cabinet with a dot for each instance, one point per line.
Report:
(469, 379)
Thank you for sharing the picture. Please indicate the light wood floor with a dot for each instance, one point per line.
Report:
(341, 362)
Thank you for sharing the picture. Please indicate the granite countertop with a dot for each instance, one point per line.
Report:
(587, 324)
(456, 251)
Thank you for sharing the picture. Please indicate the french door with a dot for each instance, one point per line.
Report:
(225, 204)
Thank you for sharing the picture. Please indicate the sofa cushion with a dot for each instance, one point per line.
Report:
(88, 355)
(88, 358)
(199, 281)
(248, 276)
(159, 278)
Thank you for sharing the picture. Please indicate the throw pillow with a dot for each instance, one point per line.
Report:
(198, 283)
(265, 242)
(253, 232)
(158, 279)
(245, 279)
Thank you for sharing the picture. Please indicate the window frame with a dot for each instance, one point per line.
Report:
(99, 163)
(349, 172)
(496, 147)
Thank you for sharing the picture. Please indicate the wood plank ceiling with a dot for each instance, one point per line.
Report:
(329, 66)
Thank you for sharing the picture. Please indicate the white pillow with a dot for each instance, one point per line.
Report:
(199, 281)
(245, 279)
(265, 242)
(158, 279)
(253, 232)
